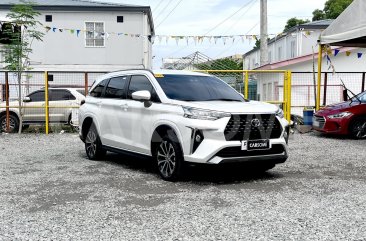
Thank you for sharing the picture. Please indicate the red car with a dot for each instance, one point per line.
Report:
(346, 118)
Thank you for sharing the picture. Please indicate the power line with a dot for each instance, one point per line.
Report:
(162, 10)
(169, 13)
(245, 5)
(157, 6)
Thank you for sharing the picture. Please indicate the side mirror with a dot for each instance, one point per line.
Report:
(345, 95)
(27, 99)
(142, 95)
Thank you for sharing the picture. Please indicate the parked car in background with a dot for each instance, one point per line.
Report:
(67, 98)
(346, 118)
(178, 117)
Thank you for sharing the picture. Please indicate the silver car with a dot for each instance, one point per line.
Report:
(62, 102)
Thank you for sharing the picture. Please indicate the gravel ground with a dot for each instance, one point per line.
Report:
(50, 191)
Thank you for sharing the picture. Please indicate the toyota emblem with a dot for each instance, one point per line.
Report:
(255, 123)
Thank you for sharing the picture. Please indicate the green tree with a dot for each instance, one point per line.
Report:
(318, 15)
(292, 22)
(20, 38)
(332, 9)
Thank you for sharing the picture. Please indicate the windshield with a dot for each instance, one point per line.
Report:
(360, 97)
(197, 88)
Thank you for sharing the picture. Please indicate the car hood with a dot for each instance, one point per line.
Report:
(231, 106)
(336, 108)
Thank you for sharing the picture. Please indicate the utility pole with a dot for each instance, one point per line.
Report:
(264, 33)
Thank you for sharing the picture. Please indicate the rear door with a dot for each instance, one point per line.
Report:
(112, 116)
(60, 105)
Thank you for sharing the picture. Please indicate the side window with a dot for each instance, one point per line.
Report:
(37, 96)
(140, 82)
(98, 90)
(59, 95)
(116, 88)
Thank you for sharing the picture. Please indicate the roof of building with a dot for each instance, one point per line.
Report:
(321, 24)
(82, 5)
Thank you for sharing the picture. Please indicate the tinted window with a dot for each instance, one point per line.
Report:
(116, 87)
(197, 88)
(59, 95)
(98, 90)
(37, 96)
(361, 97)
(140, 82)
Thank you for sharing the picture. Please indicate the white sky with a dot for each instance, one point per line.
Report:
(197, 17)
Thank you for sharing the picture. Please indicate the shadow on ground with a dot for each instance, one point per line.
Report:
(199, 174)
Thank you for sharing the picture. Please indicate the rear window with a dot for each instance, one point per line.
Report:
(81, 92)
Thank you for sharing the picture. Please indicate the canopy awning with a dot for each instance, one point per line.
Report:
(349, 29)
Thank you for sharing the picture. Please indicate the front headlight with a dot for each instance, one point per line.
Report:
(340, 115)
(194, 113)
(279, 113)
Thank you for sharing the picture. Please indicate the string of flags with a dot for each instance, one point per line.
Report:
(335, 52)
(164, 38)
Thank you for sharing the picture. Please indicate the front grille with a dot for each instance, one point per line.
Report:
(321, 120)
(237, 152)
(252, 127)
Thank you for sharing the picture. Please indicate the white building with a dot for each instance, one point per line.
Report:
(104, 42)
(294, 51)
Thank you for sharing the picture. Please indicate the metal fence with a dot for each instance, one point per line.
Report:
(47, 97)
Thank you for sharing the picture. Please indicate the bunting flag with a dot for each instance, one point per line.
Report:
(336, 52)
(348, 53)
(359, 55)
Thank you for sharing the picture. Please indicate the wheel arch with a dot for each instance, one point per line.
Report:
(160, 131)
(87, 122)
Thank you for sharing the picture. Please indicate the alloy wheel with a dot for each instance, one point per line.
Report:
(12, 125)
(359, 129)
(166, 159)
(91, 143)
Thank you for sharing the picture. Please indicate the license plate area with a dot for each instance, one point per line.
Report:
(252, 145)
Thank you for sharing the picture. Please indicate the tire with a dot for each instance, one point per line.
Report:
(14, 123)
(357, 128)
(93, 145)
(169, 158)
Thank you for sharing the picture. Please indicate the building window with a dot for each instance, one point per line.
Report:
(279, 54)
(292, 50)
(94, 36)
(269, 57)
(48, 18)
(119, 19)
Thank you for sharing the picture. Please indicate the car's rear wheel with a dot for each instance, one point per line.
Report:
(358, 128)
(93, 145)
(13, 123)
(169, 159)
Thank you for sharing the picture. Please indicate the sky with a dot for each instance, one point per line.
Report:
(206, 17)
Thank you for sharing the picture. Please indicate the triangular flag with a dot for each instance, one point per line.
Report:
(47, 28)
(348, 53)
(72, 31)
(359, 55)
(336, 52)
(60, 30)
(77, 32)
(54, 29)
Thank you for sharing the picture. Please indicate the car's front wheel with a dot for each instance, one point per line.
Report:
(358, 128)
(93, 145)
(13, 123)
(169, 159)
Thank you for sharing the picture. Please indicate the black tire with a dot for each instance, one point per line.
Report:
(14, 123)
(93, 145)
(169, 158)
(357, 128)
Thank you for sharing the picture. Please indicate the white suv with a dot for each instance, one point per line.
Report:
(177, 117)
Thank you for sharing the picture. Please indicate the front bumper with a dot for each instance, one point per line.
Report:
(324, 124)
(214, 149)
